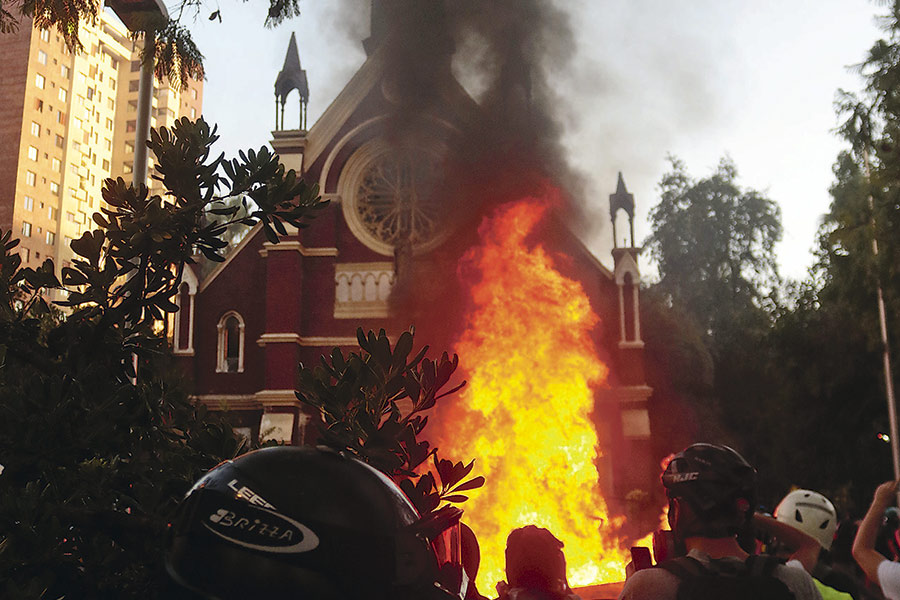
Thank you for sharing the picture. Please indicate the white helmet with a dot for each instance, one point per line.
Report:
(810, 512)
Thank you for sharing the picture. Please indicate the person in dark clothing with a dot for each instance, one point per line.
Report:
(535, 567)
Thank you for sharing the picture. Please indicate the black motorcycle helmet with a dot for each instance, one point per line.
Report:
(305, 523)
(717, 484)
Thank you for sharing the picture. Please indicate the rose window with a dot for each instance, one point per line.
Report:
(395, 199)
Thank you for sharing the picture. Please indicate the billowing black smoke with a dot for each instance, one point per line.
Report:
(506, 144)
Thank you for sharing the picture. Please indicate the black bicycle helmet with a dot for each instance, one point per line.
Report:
(717, 483)
(302, 522)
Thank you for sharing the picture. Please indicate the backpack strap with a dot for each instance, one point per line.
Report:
(762, 564)
(683, 567)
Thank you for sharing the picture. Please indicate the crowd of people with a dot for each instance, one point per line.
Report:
(318, 524)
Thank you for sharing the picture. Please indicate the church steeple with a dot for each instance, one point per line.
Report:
(626, 271)
(621, 200)
(292, 77)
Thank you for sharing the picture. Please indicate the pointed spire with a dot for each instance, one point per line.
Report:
(292, 77)
(621, 199)
(624, 201)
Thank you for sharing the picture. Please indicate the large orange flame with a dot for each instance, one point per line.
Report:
(525, 416)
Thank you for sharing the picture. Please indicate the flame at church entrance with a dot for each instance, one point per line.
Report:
(525, 416)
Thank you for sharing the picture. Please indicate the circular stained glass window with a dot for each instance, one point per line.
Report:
(395, 199)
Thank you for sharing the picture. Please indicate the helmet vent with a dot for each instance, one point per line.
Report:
(798, 516)
(824, 524)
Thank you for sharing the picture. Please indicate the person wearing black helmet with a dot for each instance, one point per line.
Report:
(310, 523)
(712, 491)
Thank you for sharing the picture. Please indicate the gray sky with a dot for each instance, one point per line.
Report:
(697, 79)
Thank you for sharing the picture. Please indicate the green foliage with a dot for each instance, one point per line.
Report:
(714, 244)
(372, 404)
(95, 455)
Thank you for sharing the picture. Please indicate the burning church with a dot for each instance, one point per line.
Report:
(456, 217)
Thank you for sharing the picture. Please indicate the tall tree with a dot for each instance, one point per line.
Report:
(713, 243)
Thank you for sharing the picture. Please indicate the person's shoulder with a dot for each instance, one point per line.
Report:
(799, 582)
(654, 583)
(889, 578)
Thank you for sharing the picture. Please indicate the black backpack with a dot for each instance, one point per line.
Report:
(750, 580)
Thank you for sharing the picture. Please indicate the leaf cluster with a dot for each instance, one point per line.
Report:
(130, 268)
(95, 453)
(372, 404)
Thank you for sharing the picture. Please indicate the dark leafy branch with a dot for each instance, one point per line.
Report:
(372, 404)
(94, 460)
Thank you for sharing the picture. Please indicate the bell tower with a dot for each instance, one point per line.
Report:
(292, 77)
(626, 270)
(290, 144)
(632, 392)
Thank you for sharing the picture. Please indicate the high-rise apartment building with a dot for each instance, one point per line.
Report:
(67, 122)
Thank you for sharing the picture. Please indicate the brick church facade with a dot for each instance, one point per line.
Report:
(243, 327)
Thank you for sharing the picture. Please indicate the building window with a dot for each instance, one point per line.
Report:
(29, 177)
(39, 80)
(129, 147)
(51, 238)
(90, 93)
(38, 105)
(60, 141)
(45, 35)
(130, 126)
(109, 123)
(111, 103)
(112, 83)
(29, 203)
(231, 344)
(55, 164)
(26, 229)
(70, 217)
(32, 153)
(73, 168)
(35, 129)
(25, 253)
(127, 168)
(132, 106)
(135, 66)
(108, 143)
(42, 57)
(194, 93)
(193, 113)
(105, 165)
(183, 322)
(64, 71)
(51, 213)
(134, 85)
(54, 188)
(63, 94)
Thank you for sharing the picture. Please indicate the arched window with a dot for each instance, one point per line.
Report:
(182, 324)
(231, 344)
